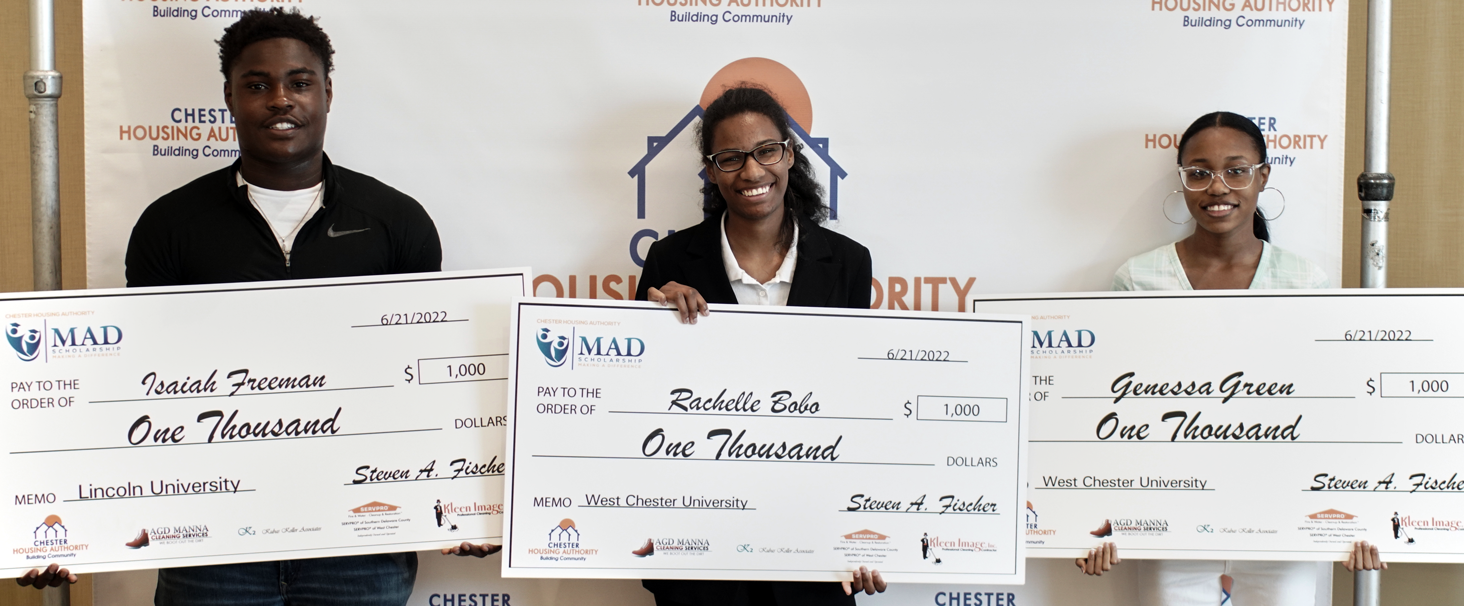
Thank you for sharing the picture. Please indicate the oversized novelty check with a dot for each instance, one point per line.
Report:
(765, 443)
(1278, 425)
(184, 426)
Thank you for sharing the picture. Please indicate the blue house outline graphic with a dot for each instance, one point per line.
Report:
(654, 145)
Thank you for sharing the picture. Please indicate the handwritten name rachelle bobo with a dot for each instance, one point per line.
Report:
(733, 445)
(143, 430)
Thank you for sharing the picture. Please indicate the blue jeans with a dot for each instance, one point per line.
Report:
(373, 580)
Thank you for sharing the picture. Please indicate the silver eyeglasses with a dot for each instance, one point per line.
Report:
(732, 160)
(1195, 178)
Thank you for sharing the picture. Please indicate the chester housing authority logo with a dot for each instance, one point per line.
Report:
(790, 92)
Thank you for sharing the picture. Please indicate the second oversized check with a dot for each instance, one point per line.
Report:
(765, 443)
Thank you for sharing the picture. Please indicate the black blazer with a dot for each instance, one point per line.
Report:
(832, 271)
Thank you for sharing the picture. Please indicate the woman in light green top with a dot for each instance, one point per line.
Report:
(1222, 159)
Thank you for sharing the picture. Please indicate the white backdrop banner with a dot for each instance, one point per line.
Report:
(973, 147)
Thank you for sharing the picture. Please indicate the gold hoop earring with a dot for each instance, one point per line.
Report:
(1164, 208)
(1283, 204)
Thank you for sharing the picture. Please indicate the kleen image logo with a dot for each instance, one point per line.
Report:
(25, 341)
(790, 92)
(50, 540)
(932, 548)
(1403, 524)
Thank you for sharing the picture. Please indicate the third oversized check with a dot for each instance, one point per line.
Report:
(764, 443)
(1281, 425)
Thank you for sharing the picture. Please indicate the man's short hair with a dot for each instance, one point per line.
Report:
(261, 24)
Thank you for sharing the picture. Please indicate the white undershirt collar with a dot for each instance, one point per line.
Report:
(748, 290)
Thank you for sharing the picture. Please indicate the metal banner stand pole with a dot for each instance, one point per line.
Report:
(43, 88)
(1366, 588)
(1375, 190)
(1375, 184)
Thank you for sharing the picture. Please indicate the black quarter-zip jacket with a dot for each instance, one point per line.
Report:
(207, 232)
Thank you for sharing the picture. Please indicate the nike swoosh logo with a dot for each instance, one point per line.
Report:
(330, 231)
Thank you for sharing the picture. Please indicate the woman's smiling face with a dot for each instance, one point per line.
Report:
(754, 191)
(1219, 208)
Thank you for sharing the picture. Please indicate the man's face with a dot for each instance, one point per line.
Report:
(279, 94)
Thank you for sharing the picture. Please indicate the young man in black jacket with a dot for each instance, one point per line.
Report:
(283, 211)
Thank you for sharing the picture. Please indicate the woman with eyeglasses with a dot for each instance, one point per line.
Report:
(1223, 169)
(762, 243)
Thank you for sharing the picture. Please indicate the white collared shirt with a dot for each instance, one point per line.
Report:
(748, 290)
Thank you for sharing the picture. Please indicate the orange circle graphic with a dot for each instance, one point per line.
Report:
(771, 75)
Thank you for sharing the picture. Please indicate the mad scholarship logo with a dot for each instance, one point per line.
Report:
(29, 343)
(595, 351)
(1063, 343)
(787, 88)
